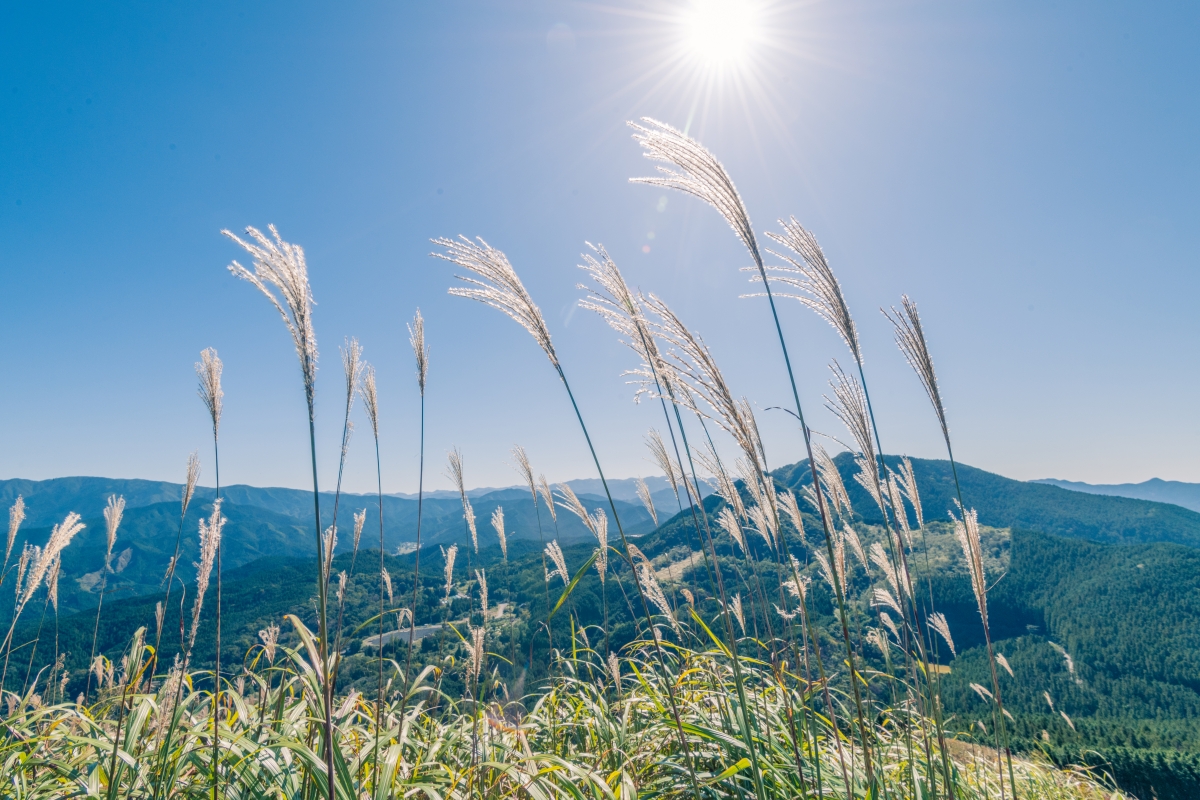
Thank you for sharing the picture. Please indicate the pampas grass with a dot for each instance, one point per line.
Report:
(16, 515)
(498, 286)
(113, 512)
(208, 371)
(280, 266)
(416, 339)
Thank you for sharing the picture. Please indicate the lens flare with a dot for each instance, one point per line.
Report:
(719, 33)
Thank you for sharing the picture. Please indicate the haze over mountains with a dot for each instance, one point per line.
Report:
(1156, 489)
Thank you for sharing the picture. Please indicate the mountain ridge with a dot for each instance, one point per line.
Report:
(1178, 493)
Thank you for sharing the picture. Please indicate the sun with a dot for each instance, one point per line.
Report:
(719, 33)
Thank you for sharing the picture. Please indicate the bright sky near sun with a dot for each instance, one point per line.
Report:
(1027, 172)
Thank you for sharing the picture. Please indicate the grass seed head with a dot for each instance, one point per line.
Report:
(208, 371)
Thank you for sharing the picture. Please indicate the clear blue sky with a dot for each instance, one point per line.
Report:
(1028, 173)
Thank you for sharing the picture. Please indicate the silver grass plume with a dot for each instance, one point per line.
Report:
(882, 597)
(455, 473)
(880, 559)
(749, 478)
(52, 583)
(189, 484)
(614, 668)
(352, 368)
(812, 275)
(29, 554)
(658, 451)
(938, 622)
(60, 537)
(369, 393)
(416, 338)
(170, 689)
(839, 560)
(878, 638)
(908, 487)
(208, 371)
(811, 496)
(497, 286)
(687, 595)
(281, 265)
(622, 310)
(481, 576)
(966, 530)
(341, 590)
(210, 539)
(762, 525)
(159, 611)
(835, 489)
(726, 488)
(654, 594)
(570, 501)
(791, 507)
(16, 515)
(330, 543)
(600, 528)
(692, 365)
(890, 625)
(1002, 661)
(895, 500)
(910, 338)
(525, 469)
(865, 477)
(729, 523)
(849, 404)
(643, 493)
(560, 562)
(360, 519)
(402, 615)
(735, 605)
(498, 526)
(700, 175)
(387, 584)
(851, 537)
(983, 693)
(113, 512)
(449, 569)
(477, 651)
(826, 569)
(547, 497)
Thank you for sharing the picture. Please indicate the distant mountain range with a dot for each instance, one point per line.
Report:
(277, 523)
(266, 523)
(1156, 489)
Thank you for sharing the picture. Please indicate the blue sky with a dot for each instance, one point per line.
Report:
(1027, 173)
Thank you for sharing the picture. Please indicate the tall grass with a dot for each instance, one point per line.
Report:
(499, 287)
(737, 692)
(601, 728)
(279, 265)
(208, 371)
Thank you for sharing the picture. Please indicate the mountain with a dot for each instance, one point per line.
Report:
(1156, 489)
(262, 524)
(1007, 503)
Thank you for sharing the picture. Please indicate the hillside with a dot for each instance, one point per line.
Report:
(1007, 503)
(147, 536)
